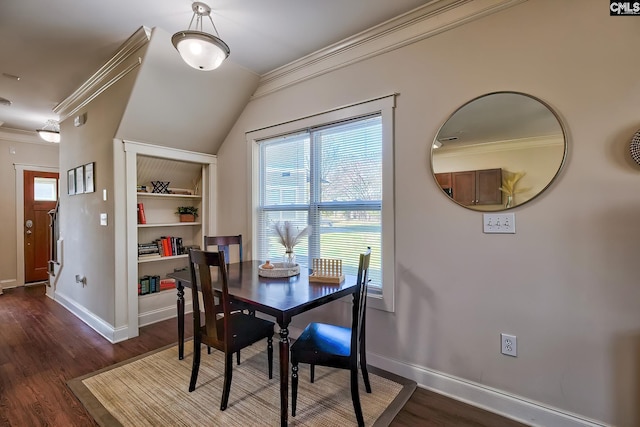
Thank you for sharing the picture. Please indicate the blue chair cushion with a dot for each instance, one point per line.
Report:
(331, 340)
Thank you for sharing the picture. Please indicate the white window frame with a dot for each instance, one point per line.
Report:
(383, 105)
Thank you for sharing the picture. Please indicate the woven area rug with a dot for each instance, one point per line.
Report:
(152, 390)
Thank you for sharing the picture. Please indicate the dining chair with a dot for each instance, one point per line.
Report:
(222, 329)
(223, 243)
(337, 346)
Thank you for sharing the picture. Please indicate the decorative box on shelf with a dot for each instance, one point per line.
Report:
(326, 270)
(278, 269)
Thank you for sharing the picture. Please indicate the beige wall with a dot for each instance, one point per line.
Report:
(89, 248)
(26, 153)
(566, 283)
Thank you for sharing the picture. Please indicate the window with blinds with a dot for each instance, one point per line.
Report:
(329, 178)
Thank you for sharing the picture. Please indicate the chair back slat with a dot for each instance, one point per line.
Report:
(201, 263)
(358, 317)
(223, 243)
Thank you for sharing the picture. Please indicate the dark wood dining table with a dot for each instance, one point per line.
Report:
(281, 298)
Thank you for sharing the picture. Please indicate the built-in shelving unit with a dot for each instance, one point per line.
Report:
(185, 172)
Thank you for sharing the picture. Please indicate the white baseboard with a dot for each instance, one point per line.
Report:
(120, 334)
(96, 323)
(493, 400)
(8, 284)
(115, 335)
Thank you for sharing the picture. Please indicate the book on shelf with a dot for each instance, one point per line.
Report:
(148, 285)
(142, 219)
(148, 250)
(148, 256)
(144, 285)
(148, 245)
(181, 191)
(160, 247)
(166, 246)
(167, 283)
(171, 246)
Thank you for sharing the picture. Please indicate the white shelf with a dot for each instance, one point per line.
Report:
(170, 196)
(156, 294)
(186, 170)
(169, 224)
(162, 258)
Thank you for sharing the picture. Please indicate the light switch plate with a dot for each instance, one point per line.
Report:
(503, 223)
(103, 219)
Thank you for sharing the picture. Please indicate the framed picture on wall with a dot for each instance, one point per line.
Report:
(89, 180)
(71, 182)
(80, 180)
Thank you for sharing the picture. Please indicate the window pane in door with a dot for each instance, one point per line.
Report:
(45, 189)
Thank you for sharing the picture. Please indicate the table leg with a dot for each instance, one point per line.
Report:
(180, 304)
(284, 375)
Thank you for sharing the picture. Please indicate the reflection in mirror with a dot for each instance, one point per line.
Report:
(498, 151)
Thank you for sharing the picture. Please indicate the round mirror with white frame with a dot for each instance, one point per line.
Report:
(498, 151)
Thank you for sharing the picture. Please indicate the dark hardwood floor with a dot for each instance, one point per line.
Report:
(42, 346)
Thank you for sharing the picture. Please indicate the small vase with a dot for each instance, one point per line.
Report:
(289, 258)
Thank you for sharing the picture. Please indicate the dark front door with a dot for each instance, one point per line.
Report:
(40, 195)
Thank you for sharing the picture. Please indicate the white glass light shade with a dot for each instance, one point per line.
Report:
(49, 135)
(200, 50)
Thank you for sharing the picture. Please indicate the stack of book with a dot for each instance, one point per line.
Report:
(162, 247)
(167, 283)
(170, 246)
(148, 250)
(148, 285)
(152, 284)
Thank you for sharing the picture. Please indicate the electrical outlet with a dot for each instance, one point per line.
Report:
(509, 345)
(499, 223)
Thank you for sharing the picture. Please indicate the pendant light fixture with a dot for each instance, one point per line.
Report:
(50, 132)
(200, 50)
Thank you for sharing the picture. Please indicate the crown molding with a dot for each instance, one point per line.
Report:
(556, 140)
(423, 22)
(102, 79)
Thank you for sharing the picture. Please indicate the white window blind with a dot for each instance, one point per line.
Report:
(333, 171)
(330, 178)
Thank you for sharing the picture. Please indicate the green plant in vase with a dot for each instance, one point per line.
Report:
(187, 213)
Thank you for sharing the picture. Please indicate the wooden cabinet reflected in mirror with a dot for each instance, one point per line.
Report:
(498, 151)
(472, 188)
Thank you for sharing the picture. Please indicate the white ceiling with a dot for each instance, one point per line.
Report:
(54, 46)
